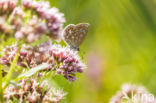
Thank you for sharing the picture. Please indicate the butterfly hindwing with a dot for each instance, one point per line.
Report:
(81, 32)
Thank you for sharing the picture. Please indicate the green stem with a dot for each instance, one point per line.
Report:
(10, 73)
(1, 90)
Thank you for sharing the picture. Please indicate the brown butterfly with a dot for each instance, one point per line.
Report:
(74, 35)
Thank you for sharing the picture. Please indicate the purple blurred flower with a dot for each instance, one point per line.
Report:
(95, 67)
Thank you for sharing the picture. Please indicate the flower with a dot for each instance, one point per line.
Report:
(68, 61)
(61, 59)
(30, 20)
(32, 31)
(4, 27)
(7, 6)
(54, 19)
(29, 90)
(133, 94)
(17, 11)
(10, 52)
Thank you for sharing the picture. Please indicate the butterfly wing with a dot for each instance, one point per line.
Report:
(68, 33)
(80, 33)
(74, 34)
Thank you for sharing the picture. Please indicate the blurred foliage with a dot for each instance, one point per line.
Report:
(123, 32)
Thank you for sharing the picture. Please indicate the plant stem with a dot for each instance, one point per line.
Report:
(10, 73)
(1, 90)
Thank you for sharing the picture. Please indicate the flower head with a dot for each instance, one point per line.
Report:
(40, 20)
(61, 59)
(54, 19)
(133, 94)
(4, 27)
(31, 91)
(68, 61)
(7, 6)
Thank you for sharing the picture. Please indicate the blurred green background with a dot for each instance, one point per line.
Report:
(119, 48)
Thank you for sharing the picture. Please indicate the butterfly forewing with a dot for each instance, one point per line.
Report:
(75, 34)
(68, 33)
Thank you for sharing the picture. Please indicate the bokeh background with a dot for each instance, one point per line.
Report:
(119, 48)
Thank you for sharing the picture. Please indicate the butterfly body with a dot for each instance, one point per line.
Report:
(74, 35)
(74, 48)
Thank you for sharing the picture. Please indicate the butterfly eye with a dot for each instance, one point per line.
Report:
(74, 35)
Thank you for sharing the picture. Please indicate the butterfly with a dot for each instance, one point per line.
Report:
(74, 35)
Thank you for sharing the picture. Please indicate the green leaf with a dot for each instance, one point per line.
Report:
(33, 71)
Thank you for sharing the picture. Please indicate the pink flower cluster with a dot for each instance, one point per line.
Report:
(62, 60)
(32, 22)
(4, 27)
(68, 61)
(28, 20)
(133, 94)
(29, 90)
(54, 19)
(6, 6)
